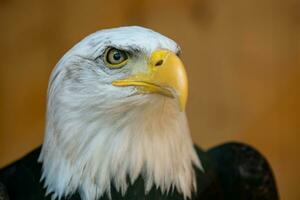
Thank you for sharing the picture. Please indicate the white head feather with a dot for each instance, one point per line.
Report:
(98, 134)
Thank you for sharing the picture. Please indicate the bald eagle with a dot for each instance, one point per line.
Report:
(116, 128)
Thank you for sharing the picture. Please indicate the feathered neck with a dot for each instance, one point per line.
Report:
(89, 151)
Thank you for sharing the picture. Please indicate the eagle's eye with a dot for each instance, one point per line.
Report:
(115, 58)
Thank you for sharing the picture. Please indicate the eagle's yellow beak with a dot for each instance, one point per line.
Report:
(166, 75)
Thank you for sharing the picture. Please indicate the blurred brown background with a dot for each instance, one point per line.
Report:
(243, 60)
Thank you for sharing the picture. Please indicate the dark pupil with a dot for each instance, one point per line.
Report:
(117, 56)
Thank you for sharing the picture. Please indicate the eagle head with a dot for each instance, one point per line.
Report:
(116, 109)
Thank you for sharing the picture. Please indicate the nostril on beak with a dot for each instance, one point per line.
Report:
(158, 63)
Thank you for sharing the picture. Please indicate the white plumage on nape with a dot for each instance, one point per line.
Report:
(98, 133)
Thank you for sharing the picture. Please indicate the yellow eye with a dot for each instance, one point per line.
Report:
(115, 58)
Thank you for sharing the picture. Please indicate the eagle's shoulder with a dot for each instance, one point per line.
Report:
(21, 179)
(243, 171)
